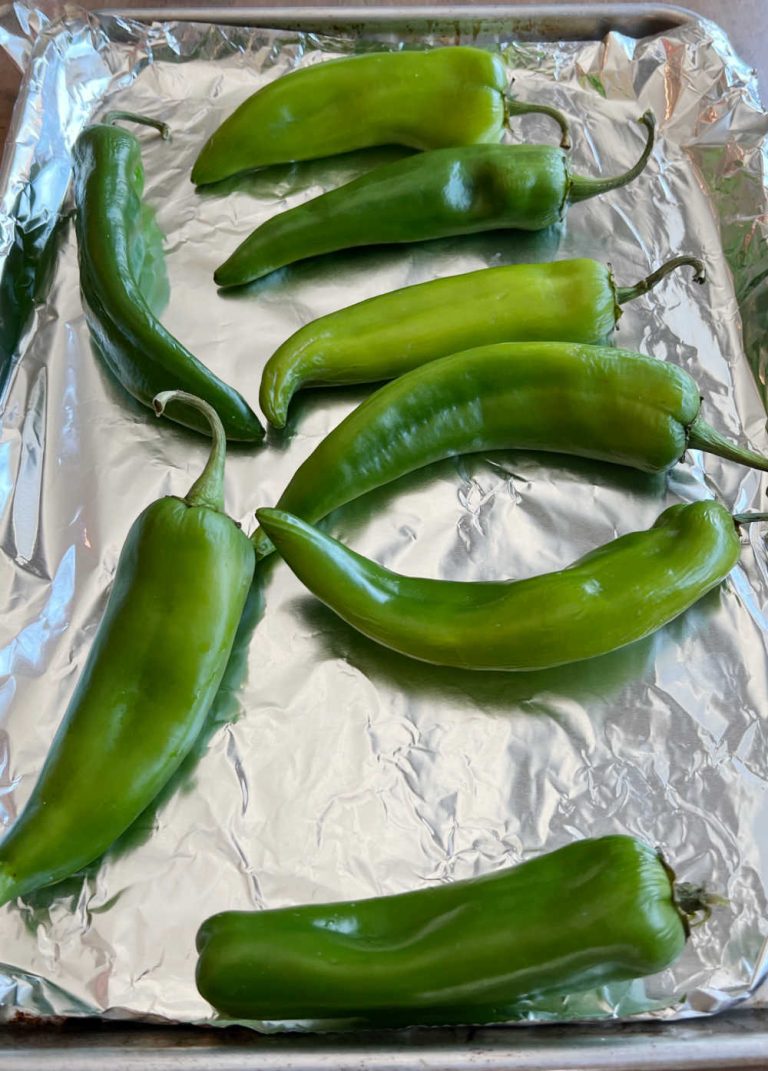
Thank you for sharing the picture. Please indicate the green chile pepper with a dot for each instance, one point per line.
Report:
(586, 915)
(142, 355)
(433, 195)
(590, 401)
(425, 100)
(377, 339)
(151, 675)
(620, 593)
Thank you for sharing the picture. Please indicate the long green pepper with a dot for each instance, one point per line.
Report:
(148, 682)
(424, 100)
(385, 336)
(143, 356)
(589, 401)
(435, 194)
(615, 595)
(586, 915)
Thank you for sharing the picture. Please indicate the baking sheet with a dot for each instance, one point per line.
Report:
(331, 768)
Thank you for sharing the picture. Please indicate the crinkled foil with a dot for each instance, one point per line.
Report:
(331, 768)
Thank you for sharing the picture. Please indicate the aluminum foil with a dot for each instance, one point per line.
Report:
(331, 768)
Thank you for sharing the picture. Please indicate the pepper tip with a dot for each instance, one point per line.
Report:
(267, 515)
(197, 175)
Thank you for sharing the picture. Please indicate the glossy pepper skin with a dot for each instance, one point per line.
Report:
(589, 401)
(378, 339)
(148, 683)
(589, 914)
(433, 195)
(423, 100)
(620, 593)
(143, 356)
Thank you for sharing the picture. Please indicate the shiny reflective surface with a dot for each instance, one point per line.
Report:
(332, 769)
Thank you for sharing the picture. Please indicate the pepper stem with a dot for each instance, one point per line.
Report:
(691, 900)
(701, 436)
(208, 488)
(157, 124)
(517, 107)
(695, 903)
(629, 293)
(583, 188)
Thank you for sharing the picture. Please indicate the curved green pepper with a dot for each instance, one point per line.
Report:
(150, 678)
(433, 195)
(586, 915)
(142, 355)
(590, 401)
(425, 100)
(620, 593)
(377, 339)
